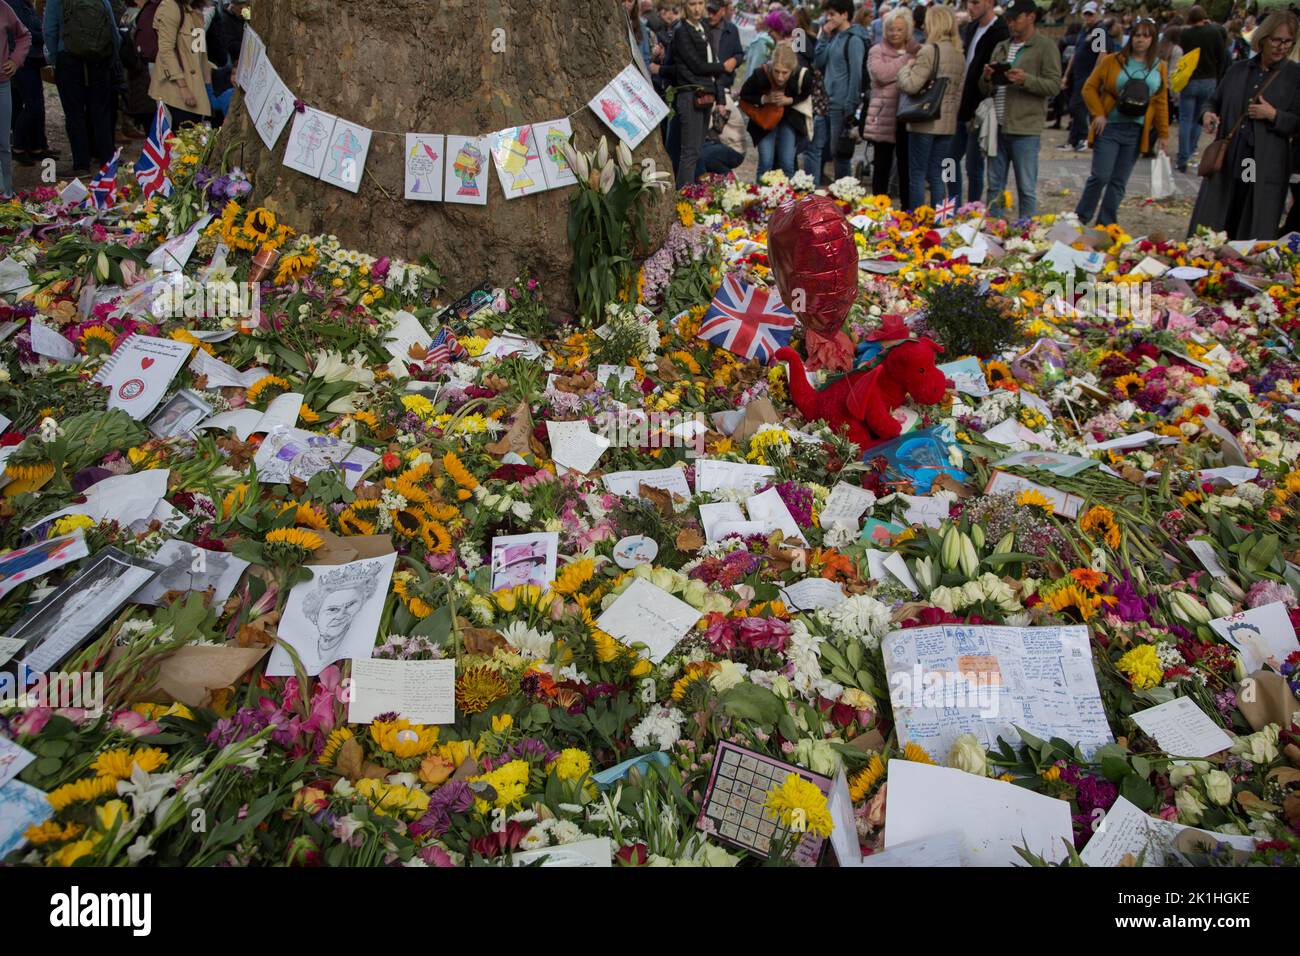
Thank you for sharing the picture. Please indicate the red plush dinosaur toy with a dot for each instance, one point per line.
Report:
(862, 402)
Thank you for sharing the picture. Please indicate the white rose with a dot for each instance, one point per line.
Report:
(1189, 806)
(968, 754)
(1218, 787)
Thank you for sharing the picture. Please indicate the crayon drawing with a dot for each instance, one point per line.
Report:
(646, 105)
(551, 137)
(609, 106)
(345, 158)
(424, 161)
(276, 112)
(466, 164)
(307, 139)
(519, 162)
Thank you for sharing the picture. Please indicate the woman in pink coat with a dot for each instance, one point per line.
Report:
(888, 140)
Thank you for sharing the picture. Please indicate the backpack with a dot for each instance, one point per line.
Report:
(87, 29)
(1135, 96)
(146, 34)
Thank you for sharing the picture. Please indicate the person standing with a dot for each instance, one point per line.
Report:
(81, 40)
(1126, 96)
(182, 76)
(698, 71)
(1024, 73)
(17, 41)
(841, 55)
(773, 96)
(1257, 103)
(1094, 40)
(30, 142)
(929, 142)
(724, 37)
(1171, 52)
(1199, 34)
(880, 127)
(984, 32)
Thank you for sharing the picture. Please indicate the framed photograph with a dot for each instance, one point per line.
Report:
(75, 612)
(523, 559)
(180, 415)
(187, 567)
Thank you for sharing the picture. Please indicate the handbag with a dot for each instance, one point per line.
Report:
(705, 101)
(1216, 154)
(924, 107)
(766, 115)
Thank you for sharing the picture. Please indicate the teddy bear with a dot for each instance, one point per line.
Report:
(862, 402)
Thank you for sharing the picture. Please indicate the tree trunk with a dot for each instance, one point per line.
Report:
(433, 67)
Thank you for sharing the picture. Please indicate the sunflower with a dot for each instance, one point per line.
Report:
(296, 265)
(308, 415)
(574, 575)
(119, 763)
(413, 603)
(998, 374)
(865, 780)
(916, 753)
(264, 383)
(309, 516)
(1099, 522)
(333, 744)
(1033, 498)
(607, 648)
(478, 688)
(695, 673)
(25, 478)
(85, 790)
(51, 832)
(295, 537)
(403, 739)
(351, 520)
(95, 336)
(458, 473)
(1071, 597)
(1129, 385)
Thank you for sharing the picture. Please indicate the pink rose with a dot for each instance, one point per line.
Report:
(135, 724)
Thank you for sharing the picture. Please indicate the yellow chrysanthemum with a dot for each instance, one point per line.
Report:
(571, 764)
(1141, 666)
(800, 806)
(478, 688)
(403, 739)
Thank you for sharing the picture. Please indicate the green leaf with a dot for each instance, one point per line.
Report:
(1115, 768)
(751, 702)
(1138, 792)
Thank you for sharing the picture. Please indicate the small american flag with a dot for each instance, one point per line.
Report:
(746, 320)
(444, 347)
(151, 170)
(947, 209)
(103, 188)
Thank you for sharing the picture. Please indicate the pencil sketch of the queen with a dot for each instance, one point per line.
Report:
(336, 598)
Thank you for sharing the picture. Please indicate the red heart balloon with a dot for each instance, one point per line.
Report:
(815, 260)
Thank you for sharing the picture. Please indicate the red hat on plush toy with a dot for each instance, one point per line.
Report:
(815, 261)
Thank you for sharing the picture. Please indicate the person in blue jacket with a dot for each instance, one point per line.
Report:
(85, 84)
(841, 56)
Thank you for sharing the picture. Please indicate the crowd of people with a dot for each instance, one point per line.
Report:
(936, 102)
(111, 61)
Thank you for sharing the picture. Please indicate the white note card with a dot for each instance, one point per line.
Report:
(1182, 729)
(648, 615)
(424, 692)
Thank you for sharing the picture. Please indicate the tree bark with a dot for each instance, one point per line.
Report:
(429, 66)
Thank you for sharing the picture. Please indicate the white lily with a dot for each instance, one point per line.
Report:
(602, 152)
(624, 156)
(607, 177)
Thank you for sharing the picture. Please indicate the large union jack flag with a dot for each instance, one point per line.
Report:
(103, 188)
(151, 169)
(746, 320)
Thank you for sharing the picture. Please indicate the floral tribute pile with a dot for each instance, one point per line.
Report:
(564, 733)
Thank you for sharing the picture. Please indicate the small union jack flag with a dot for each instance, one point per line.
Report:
(103, 188)
(151, 169)
(746, 320)
(444, 347)
(947, 209)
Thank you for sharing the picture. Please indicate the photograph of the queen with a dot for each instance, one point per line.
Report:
(333, 616)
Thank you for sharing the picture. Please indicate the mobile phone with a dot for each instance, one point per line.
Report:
(1000, 73)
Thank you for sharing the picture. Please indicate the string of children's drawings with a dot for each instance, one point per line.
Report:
(438, 167)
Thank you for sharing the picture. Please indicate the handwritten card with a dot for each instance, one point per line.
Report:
(991, 817)
(771, 509)
(47, 342)
(629, 482)
(927, 511)
(424, 692)
(1263, 635)
(139, 371)
(574, 445)
(1182, 729)
(424, 162)
(813, 594)
(12, 760)
(845, 505)
(649, 615)
(1127, 831)
(406, 332)
(1206, 554)
(221, 375)
(597, 852)
(308, 139)
(712, 474)
(466, 180)
(551, 137)
(647, 106)
(715, 516)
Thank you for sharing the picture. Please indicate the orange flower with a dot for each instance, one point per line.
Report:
(1087, 578)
